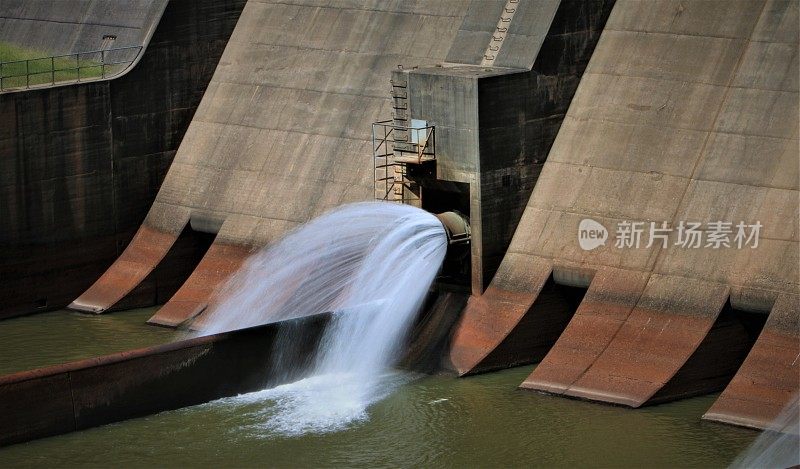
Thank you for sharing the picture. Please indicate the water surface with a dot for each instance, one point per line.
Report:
(57, 337)
(435, 421)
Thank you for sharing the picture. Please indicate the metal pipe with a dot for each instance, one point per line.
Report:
(456, 225)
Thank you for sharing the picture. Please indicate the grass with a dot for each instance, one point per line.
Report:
(41, 69)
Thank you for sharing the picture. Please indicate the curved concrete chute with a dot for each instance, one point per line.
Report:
(666, 327)
(609, 301)
(490, 318)
(517, 320)
(222, 259)
(146, 250)
(630, 346)
(219, 263)
(770, 375)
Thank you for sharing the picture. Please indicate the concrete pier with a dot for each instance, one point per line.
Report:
(266, 152)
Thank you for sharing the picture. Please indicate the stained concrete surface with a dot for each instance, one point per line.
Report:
(688, 111)
(55, 27)
(283, 132)
(80, 164)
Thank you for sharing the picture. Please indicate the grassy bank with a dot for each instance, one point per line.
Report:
(22, 66)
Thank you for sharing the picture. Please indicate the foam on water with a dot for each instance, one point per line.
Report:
(317, 404)
(369, 263)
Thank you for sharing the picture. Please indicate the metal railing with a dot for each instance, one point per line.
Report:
(394, 147)
(66, 68)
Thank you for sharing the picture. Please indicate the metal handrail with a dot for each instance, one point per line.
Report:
(102, 65)
(382, 134)
(429, 131)
(421, 148)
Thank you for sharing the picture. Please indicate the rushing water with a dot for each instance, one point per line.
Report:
(372, 264)
(373, 258)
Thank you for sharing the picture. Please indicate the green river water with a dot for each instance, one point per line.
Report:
(432, 421)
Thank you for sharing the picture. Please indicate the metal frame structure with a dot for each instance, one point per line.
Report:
(393, 151)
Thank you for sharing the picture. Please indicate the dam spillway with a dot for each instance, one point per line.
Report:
(584, 143)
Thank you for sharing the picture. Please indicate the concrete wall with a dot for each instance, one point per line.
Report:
(688, 111)
(530, 25)
(81, 164)
(283, 132)
(680, 124)
(61, 27)
(521, 115)
(495, 124)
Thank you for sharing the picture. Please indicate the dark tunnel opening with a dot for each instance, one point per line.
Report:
(173, 270)
(445, 196)
(718, 357)
(539, 328)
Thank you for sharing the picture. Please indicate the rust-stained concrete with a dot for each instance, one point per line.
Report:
(219, 263)
(656, 339)
(767, 380)
(688, 111)
(145, 251)
(608, 303)
(493, 315)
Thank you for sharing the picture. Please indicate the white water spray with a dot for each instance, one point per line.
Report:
(372, 265)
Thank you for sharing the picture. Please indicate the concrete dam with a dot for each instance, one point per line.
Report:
(618, 182)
